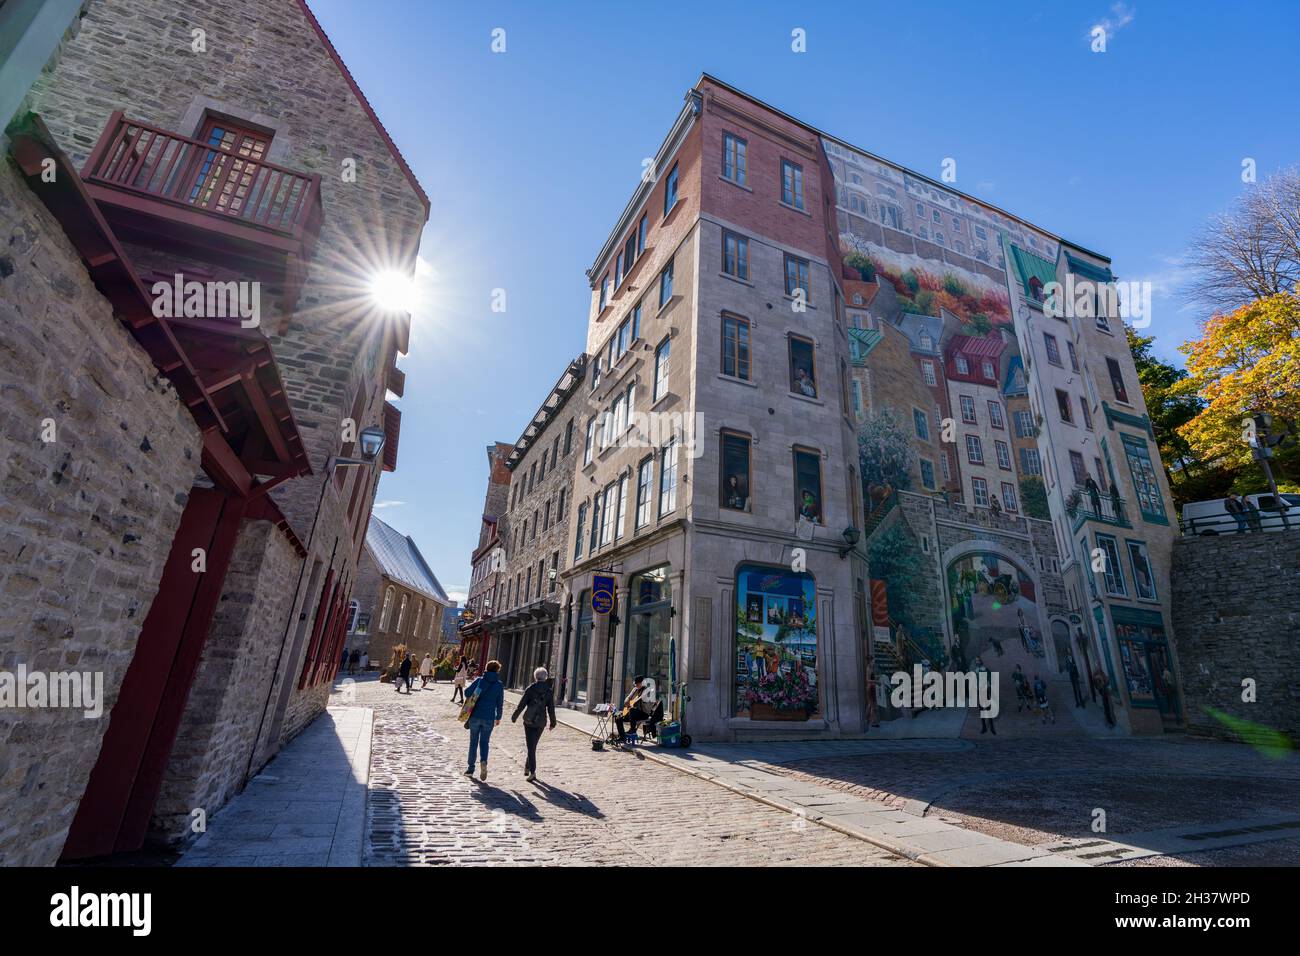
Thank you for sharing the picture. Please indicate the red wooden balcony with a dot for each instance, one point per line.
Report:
(209, 200)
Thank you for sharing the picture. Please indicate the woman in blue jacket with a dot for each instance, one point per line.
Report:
(485, 715)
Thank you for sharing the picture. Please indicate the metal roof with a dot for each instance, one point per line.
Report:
(399, 559)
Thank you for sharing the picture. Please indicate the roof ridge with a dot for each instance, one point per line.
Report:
(365, 105)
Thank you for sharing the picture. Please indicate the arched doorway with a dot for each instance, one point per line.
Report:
(993, 605)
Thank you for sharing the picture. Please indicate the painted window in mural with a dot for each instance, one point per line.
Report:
(1113, 574)
(1150, 501)
(803, 368)
(808, 484)
(991, 601)
(1144, 656)
(1144, 579)
(734, 493)
(776, 644)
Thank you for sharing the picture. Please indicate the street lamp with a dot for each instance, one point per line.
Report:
(851, 536)
(371, 441)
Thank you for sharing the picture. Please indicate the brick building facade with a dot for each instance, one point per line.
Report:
(177, 521)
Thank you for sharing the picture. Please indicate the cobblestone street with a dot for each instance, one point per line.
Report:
(587, 808)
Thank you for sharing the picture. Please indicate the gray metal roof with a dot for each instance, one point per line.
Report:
(397, 557)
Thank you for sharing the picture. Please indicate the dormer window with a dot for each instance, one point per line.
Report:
(1036, 289)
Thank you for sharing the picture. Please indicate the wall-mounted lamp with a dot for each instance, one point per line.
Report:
(371, 443)
(851, 536)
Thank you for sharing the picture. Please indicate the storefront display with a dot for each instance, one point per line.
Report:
(776, 645)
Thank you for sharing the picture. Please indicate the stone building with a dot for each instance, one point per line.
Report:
(810, 383)
(178, 522)
(487, 563)
(523, 624)
(398, 598)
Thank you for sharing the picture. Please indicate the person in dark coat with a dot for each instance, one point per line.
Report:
(404, 675)
(1103, 688)
(1073, 668)
(536, 704)
(485, 716)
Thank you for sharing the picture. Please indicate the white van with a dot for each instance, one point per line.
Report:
(1212, 517)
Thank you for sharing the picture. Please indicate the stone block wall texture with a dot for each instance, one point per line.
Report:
(1236, 611)
(264, 63)
(87, 519)
(229, 695)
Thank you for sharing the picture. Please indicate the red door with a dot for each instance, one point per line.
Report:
(114, 812)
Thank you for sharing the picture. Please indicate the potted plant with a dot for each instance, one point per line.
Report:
(788, 696)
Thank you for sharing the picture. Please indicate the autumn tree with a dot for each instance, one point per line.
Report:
(1245, 362)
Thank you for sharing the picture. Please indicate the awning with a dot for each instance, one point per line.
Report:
(861, 342)
(1086, 269)
(1030, 266)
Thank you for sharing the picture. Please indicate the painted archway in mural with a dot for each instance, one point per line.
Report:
(994, 604)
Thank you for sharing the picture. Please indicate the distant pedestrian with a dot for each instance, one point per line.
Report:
(343, 661)
(1103, 689)
(365, 661)
(1171, 695)
(458, 681)
(1232, 504)
(986, 723)
(1021, 683)
(353, 659)
(404, 675)
(997, 644)
(487, 695)
(537, 702)
(1073, 669)
(426, 670)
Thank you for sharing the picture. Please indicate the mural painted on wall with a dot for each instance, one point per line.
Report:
(776, 644)
(936, 280)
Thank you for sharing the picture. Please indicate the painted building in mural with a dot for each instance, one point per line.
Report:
(821, 439)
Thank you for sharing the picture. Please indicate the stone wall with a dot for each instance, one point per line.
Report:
(1236, 611)
(229, 695)
(87, 518)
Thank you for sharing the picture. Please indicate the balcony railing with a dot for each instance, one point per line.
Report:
(1107, 509)
(156, 164)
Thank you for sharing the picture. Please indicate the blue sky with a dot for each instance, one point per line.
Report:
(529, 155)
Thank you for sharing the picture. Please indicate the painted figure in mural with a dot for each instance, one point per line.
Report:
(735, 498)
(986, 723)
(1094, 494)
(809, 507)
(803, 384)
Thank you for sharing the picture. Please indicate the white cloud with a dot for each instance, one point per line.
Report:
(458, 593)
(386, 504)
(1120, 17)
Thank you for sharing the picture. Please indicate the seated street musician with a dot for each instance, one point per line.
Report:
(637, 706)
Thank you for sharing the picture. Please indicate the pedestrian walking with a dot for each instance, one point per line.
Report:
(403, 675)
(1073, 669)
(986, 723)
(458, 681)
(426, 670)
(353, 659)
(536, 704)
(1021, 683)
(365, 661)
(1102, 686)
(485, 699)
(1232, 504)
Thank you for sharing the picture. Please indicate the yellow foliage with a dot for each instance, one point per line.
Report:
(1245, 362)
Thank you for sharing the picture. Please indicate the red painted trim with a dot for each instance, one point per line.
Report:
(365, 105)
(318, 628)
(156, 683)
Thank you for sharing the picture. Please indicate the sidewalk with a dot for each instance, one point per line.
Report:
(306, 808)
(740, 769)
